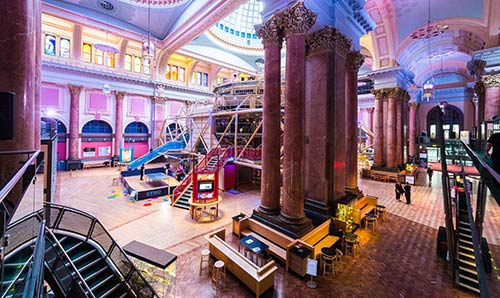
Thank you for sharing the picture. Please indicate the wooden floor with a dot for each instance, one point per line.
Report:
(400, 261)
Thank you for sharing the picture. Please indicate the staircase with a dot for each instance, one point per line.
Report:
(467, 272)
(15, 270)
(101, 279)
(183, 201)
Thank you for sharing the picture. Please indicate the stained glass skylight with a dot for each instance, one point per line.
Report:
(238, 27)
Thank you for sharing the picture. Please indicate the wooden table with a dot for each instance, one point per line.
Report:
(193, 205)
(255, 246)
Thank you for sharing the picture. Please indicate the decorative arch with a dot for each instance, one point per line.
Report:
(138, 128)
(453, 116)
(97, 127)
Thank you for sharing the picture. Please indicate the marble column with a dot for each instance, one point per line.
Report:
(412, 127)
(74, 121)
(38, 76)
(353, 63)
(369, 139)
(492, 96)
(297, 20)
(119, 96)
(325, 117)
(400, 124)
(480, 92)
(378, 131)
(272, 39)
(76, 42)
(391, 147)
(19, 44)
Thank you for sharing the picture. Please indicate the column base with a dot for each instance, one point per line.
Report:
(354, 191)
(274, 221)
(268, 211)
(317, 211)
(73, 164)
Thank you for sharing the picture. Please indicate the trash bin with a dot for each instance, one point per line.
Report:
(236, 223)
(61, 165)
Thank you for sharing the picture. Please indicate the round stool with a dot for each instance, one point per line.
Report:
(371, 222)
(198, 212)
(205, 258)
(218, 273)
(212, 213)
(327, 260)
(352, 246)
(381, 212)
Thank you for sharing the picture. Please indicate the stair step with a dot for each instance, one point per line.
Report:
(465, 249)
(83, 256)
(101, 283)
(466, 255)
(471, 263)
(466, 229)
(466, 268)
(465, 236)
(86, 266)
(465, 243)
(471, 288)
(110, 291)
(468, 274)
(70, 249)
(94, 274)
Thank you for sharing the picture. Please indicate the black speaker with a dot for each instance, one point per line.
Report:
(7, 115)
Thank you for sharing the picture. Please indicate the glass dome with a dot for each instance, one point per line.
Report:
(238, 29)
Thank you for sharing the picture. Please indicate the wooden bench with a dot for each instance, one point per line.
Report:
(363, 206)
(278, 242)
(319, 237)
(383, 176)
(258, 279)
(87, 164)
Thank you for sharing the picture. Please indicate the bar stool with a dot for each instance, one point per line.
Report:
(371, 222)
(218, 273)
(352, 246)
(198, 211)
(338, 260)
(212, 213)
(381, 212)
(205, 258)
(327, 260)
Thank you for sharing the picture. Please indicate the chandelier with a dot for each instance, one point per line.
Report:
(148, 46)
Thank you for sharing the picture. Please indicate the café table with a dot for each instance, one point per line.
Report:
(256, 248)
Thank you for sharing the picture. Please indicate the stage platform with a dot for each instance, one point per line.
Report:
(149, 188)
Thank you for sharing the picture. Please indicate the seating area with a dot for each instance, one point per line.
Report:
(363, 206)
(319, 238)
(95, 163)
(384, 176)
(258, 279)
(278, 246)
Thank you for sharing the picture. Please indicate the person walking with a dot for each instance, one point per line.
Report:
(399, 190)
(142, 171)
(407, 190)
(430, 171)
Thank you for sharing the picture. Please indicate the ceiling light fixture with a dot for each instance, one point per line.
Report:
(148, 46)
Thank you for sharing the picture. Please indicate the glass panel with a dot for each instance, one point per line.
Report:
(65, 48)
(433, 131)
(167, 72)
(110, 59)
(174, 73)
(205, 80)
(199, 77)
(87, 53)
(137, 64)
(50, 44)
(181, 74)
(99, 59)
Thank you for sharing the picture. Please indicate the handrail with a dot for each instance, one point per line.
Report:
(481, 161)
(483, 289)
(132, 270)
(25, 267)
(7, 187)
(33, 286)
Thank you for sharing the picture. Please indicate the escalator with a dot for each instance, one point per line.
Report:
(467, 271)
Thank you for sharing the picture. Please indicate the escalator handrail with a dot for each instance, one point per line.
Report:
(113, 244)
(483, 289)
(83, 285)
(7, 187)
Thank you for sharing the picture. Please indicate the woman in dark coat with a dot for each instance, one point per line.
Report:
(408, 193)
(399, 190)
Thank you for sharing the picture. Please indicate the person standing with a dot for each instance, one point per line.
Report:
(494, 142)
(399, 190)
(430, 171)
(143, 169)
(407, 190)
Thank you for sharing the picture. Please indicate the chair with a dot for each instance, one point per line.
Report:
(205, 258)
(371, 222)
(219, 273)
(327, 261)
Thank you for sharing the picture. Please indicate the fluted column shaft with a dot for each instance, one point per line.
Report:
(391, 129)
(74, 121)
(353, 63)
(412, 127)
(492, 96)
(378, 131)
(119, 121)
(369, 139)
(270, 177)
(297, 21)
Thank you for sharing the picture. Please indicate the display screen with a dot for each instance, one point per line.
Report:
(205, 186)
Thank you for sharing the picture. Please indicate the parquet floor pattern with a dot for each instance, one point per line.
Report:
(400, 261)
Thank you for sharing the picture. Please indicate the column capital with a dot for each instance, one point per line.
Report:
(75, 90)
(370, 110)
(327, 40)
(119, 94)
(395, 92)
(271, 31)
(354, 61)
(479, 88)
(491, 80)
(158, 99)
(379, 93)
(413, 105)
(298, 19)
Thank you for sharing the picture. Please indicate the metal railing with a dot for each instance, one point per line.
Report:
(34, 280)
(476, 244)
(81, 223)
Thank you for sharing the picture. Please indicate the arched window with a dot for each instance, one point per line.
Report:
(87, 53)
(50, 44)
(97, 126)
(65, 48)
(128, 62)
(453, 122)
(136, 128)
(45, 127)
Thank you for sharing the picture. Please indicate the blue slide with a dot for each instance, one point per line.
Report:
(155, 153)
